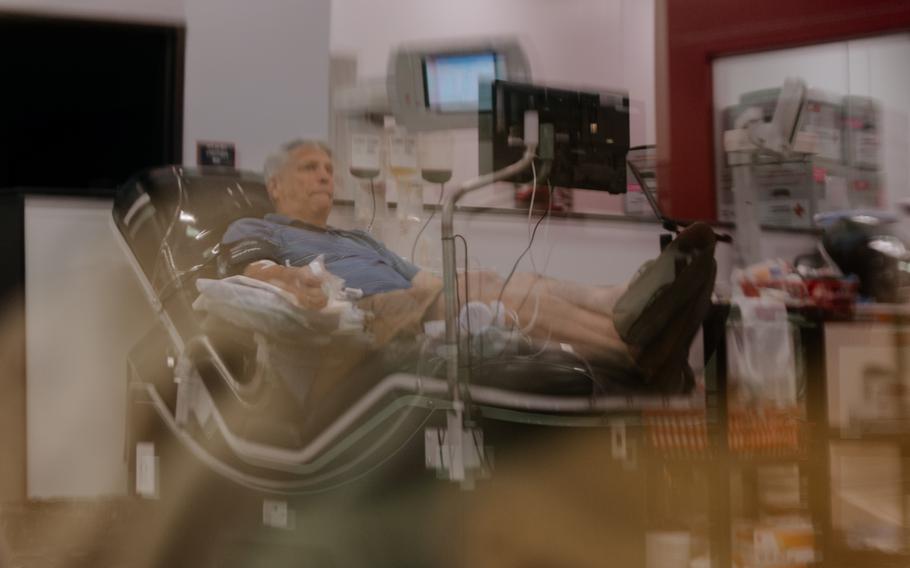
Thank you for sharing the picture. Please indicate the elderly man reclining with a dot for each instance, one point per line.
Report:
(650, 322)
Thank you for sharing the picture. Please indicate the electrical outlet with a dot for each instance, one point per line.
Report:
(146, 470)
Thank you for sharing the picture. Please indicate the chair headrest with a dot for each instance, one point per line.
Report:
(172, 219)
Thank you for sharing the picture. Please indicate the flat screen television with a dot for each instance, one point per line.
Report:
(85, 104)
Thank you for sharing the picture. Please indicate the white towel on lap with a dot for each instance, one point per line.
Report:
(262, 307)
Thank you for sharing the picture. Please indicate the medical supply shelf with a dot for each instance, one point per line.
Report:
(721, 462)
(731, 473)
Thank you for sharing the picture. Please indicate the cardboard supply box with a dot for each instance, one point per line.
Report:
(864, 189)
(862, 136)
(841, 174)
(824, 117)
(786, 194)
(790, 194)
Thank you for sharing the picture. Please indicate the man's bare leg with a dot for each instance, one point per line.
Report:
(546, 316)
(600, 299)
(578, 314)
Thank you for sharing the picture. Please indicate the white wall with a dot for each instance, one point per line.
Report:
(575, 42)
(256, 74)
(84, 311)
(598, 44)
(638, 65)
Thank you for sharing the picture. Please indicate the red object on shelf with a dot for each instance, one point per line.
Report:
(836, 296)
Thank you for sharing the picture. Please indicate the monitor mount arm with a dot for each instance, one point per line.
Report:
(460, 435)
(449, 269)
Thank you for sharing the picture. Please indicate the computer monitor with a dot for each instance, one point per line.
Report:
(450, 81)
(435, 87)
(590, 133)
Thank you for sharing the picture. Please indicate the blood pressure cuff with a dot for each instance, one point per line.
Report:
(235, 257)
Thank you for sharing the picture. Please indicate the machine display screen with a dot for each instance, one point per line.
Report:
(590, 134)
(451, 82)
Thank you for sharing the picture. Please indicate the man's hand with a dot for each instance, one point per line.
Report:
(308, 289)
(305, 286)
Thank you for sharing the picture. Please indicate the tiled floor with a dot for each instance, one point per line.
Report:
(70, 534)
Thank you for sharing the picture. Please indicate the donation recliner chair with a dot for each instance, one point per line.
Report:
(213, 389)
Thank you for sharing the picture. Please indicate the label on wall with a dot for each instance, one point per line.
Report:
(221, 154)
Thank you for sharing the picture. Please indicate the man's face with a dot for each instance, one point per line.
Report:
(305, 186)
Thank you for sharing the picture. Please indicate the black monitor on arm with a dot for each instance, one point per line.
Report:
(590, 133)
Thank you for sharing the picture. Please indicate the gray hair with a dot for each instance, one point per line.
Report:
(277, 160)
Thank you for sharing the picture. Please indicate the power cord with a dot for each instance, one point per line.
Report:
(442, 189)
(547, 261)
(469, 356)
(467, 296)
(517, 261)
(546, 230)
(373, 213)
(533, 194)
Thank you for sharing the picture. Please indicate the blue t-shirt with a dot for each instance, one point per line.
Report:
(358, 258)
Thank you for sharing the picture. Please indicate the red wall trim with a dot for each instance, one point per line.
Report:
(691, 33)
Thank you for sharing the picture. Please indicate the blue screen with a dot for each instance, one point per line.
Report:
(452, 82)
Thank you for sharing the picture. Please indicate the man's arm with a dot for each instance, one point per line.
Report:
(249, 241)
(299, 281)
